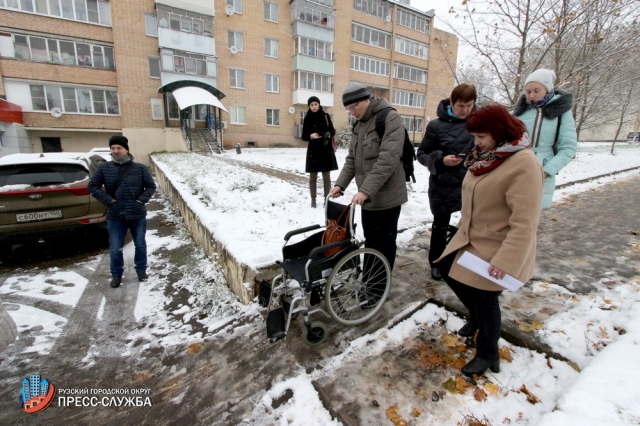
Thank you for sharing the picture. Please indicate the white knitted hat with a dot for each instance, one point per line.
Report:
(545, 77)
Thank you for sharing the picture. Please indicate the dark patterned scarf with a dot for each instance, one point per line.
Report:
(480, 163)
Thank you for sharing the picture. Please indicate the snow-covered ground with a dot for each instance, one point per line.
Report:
(250, 213)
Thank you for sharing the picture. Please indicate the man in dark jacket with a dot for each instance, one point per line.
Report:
(444, 147)
(375, 163)
(128, 186)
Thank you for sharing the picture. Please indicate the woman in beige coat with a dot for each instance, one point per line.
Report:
(501, 199)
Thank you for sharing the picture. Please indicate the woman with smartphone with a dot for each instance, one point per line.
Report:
(443, 149)
(501, 205)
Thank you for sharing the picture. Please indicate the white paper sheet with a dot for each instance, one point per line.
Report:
(475, 264)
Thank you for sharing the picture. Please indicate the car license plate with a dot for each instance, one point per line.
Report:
(31, 217)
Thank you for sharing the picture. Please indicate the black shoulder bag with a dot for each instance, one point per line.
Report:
(124, 175)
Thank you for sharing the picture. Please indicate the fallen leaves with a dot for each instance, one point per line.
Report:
(535, 325)
(505, 353)
(492, 388)
(479, 394)
(194, 348)
(530, 397)
(395, 417)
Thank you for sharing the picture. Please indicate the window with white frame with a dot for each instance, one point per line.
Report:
(91, 11)
(236, 78)
(74, 99)
(377, 8)
(236, 4)
(406, 72)
(312, 47)
(413, 124)
(312, 81)
(412, 48)
(311, 15)
(183, 20)
(413, 21)
(156, 109)
(273, 117)
(188, 63)
(410, 99)
(273, 83)
(271, 47)
(64, 52)
(235, 39)
(238, 114)
(150, 25)
(154, 67)
(370, 65)
(271, 11)
(370, 36)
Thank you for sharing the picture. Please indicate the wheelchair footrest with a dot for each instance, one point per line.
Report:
(276, 324)
(264, 294)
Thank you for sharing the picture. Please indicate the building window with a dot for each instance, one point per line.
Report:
(271, 48)
(406, 98)
(74, 99)
(92, 11)
(370, 36)
(150, 25)
(372, 7)
(412, 48)
(370, 65)
(236, 4)
(315, 48)
(188, 63)
(63, 52)
(406, 72)
(413, 124)
(312, 81)
(235, 40)
(413, 21)
(185, 21)
(271, 11)
(314, 16)
(238, 115)
(156, 109)
(154, 67)
(236, 78)
(273, 117)
(273, 83)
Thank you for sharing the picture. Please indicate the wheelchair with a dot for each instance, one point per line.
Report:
(349, 286)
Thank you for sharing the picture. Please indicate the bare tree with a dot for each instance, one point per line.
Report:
(589, 44)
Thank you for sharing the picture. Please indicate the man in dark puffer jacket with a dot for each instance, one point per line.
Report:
(444, 139)
(128, 186)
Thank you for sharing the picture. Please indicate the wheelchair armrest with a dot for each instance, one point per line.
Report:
(300, 231)
(321, 249)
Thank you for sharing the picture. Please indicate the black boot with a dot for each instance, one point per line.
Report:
(115, 281)
(142, 276)
(435, 273)
(469, 329)
(478, 366)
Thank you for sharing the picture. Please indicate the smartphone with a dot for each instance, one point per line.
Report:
(463, 156)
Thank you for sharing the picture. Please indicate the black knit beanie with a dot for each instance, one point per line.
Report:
(313, 99)
(119, 140)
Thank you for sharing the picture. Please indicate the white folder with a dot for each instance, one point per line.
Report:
(475, 264)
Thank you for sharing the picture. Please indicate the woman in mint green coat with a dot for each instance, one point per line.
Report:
(547, 114)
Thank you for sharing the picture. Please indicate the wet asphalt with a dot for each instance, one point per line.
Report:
(220, 379)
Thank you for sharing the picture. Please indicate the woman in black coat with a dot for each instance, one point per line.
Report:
(318, 130)
(442, 151)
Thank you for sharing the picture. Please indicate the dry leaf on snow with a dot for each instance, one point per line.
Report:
(461, 384)
(505, 353)
(450, 340)
(395, 417)
(492, 388)
(479, 395)
(530, 397)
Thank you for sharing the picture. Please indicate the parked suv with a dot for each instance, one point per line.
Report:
(43, 195)
(633, 137)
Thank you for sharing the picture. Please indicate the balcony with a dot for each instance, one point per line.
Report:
(187, 42)
(313, 64)
(300, 97)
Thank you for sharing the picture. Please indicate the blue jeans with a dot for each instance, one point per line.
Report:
(117, 231)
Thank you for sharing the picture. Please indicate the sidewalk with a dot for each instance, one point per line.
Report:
(407, 357)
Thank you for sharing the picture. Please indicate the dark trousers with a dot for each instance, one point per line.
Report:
(117, 231)
(438, 241)
(380, 228)
(484, 310)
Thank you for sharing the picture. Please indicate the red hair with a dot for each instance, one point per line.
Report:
(497, 121)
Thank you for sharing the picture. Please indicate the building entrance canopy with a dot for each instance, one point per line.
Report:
(188, 93)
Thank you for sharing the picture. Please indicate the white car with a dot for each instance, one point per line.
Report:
(104, 152)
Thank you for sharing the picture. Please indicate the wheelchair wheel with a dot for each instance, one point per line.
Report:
(357, 286)
(317, 334)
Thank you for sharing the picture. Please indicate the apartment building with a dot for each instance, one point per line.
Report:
(75, 72)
